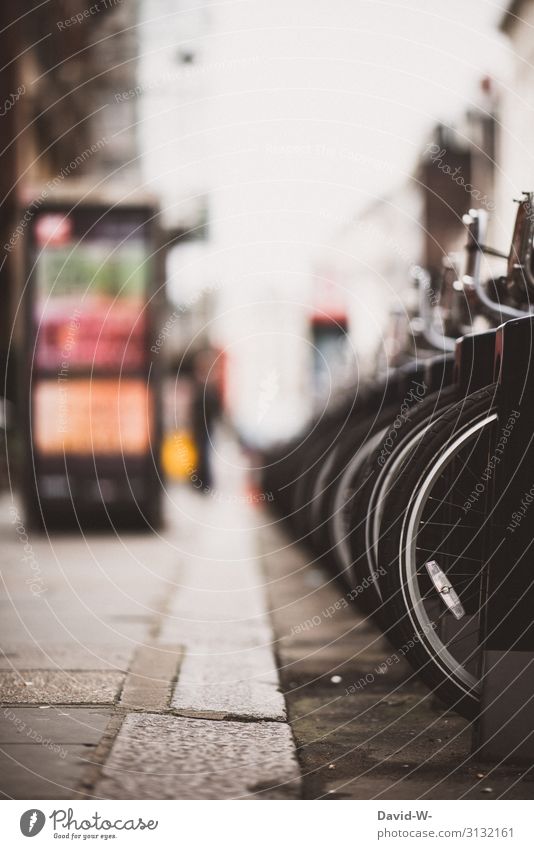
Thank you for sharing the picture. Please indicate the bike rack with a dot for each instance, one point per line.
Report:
(474, 361)
(439, 372)
(505, 728)
(473, 369)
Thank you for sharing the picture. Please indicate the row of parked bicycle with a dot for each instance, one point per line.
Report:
(389, 485)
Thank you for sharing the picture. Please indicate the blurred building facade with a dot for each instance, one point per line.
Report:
(63, 126)
(515, 159)
(279, 253)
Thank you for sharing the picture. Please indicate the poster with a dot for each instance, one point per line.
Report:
(90, 309)
(86, 416)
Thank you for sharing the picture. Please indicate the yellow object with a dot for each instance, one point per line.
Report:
(178, 455)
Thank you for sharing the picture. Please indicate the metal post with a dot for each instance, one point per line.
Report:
(439, 372)
(473, 369)
(505, 729)
(474, 361)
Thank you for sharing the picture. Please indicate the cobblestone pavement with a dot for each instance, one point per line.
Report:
(141, 666)
(145, 666)
(387, 739)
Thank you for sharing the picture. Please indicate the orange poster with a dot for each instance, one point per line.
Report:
(100, 416)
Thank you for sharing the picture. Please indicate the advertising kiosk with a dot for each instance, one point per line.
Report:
(93, 406)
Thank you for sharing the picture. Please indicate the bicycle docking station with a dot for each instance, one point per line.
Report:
(473, 369)
(434, 522)
(505, 727)
(473, 366)
(439, 372)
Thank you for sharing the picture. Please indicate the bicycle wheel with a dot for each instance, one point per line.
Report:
(432, 552)
(351, 452)
(360, 505)
(344, 491)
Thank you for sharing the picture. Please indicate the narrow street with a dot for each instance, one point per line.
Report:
(146, 667)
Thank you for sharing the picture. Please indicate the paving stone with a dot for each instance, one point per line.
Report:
(230, 682)
(204, 632)
(407, 786)
(71, 725)
(96, 589)
(38, 687)
(148, 685)
(218, 602)
(386, 740)
(220, 617)
(163, 757)
(60, 656)
(221, 594)
(42, 772)
(98, 618)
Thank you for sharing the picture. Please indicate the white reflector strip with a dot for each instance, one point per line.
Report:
(444, 588)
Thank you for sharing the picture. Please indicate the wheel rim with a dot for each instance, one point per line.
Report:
(378, 499)
(412, 556)
(341, 518)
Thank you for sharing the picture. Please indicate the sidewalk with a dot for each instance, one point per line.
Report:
(365, 728)
(141, 666)
(144, 667)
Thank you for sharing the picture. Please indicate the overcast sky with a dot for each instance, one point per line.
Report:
(304, 105)
(292, 114)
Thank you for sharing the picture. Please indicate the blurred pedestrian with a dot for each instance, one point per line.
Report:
(206, 410)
